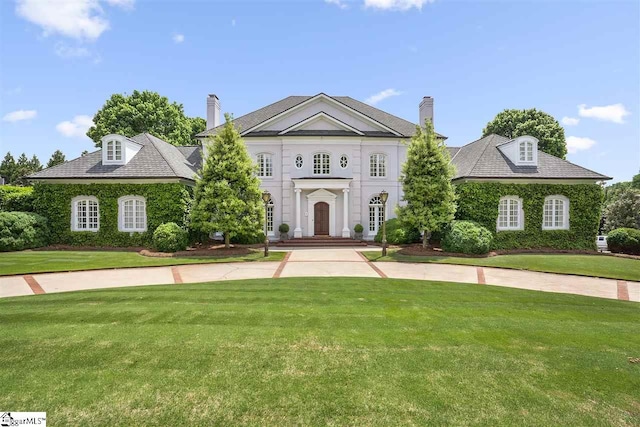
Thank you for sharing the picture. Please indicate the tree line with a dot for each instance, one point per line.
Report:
(14, 172)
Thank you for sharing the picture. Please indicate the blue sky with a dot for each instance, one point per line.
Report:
(58, 64)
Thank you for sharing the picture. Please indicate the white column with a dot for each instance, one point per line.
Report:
(297, 232)
(345, 212)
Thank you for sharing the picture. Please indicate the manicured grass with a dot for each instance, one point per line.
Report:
(49, 261)
(585, 265)
(321, 351)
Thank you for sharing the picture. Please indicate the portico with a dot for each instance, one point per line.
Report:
(321, 206)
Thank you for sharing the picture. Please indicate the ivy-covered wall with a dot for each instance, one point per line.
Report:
(478, 201)
(164, 203)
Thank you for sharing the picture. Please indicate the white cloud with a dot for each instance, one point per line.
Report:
(78, 19)
(374, 99)
(65, 51)
(570, 121)
(178, 38)
(233, 22)
(340, 3)
(401, 5)
(16, 116)
(576, 143)
(77, 127)
(610, 113)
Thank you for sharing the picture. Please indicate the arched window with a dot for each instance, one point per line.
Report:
(378, 165)
(376, 214)
(269, 218)
(265, 165)
(114, 151)
(344, 161)
(555, 215)
(85, 214)
(299, 161)
(510, 214)
(132, 214)
(321, 164)
(526, 151)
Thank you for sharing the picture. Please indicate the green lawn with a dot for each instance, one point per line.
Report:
(585, 265)
(321, 351)
(49, 261)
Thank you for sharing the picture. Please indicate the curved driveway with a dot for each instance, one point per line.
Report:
(342, 262)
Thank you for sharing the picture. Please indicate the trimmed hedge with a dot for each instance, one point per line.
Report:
(478, 201)
(467, 237)
(164, 203)
(398, 233)
(624, 240)
(22, 230)
(14, 199)
(248, 239)
(170, 237)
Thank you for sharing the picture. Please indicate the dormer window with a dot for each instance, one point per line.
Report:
(114, 151)
(526, 151)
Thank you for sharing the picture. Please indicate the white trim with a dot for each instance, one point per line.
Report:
(313, 99)
(520, 225)
(74, 213)
(379, 209)
(313, 164)
(340, 161)
(565, 212)
(136, 199)
(317, 116)
(264, 157)
(328, 197)
(124, 141)
(295, 161)
(384, 162)
(314, 184)
(567, 181)
(115, 181)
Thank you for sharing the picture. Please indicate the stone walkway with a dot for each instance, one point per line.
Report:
(342, 262)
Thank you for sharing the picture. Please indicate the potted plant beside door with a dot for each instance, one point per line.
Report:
(284, 232)
(357, 230)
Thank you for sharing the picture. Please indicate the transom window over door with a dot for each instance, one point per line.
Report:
(85, 214)
(510, 214)
(378, 165)
(555, 214)
(321, 164)
(114, 151)
(376, 214)
(132, 213)
(526, 151)
(265, 165)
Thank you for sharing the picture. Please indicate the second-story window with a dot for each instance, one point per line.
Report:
(114, 151)
(378, 165)
(321, 164)
(265, 165)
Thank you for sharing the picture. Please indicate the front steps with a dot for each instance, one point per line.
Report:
(318, 242)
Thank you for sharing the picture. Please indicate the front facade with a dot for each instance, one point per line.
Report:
(325, 160)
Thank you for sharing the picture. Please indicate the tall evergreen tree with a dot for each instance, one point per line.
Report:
(35, 164)
(23, 168)
(227, 196)
(426, 182)
(8, 168)
(56, 158)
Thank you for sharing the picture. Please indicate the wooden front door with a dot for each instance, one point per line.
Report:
(321, 219)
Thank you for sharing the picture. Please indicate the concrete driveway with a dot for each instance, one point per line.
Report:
(325, 262)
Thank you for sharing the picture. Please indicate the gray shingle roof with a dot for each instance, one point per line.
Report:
(399, 125)
(156, 159)
(482, 159)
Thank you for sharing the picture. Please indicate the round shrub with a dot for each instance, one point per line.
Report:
(170, 237)
(398, 233)
(358, 228)
(624, 240)
(16, 199)
(467, 237)
(22, 230)
(284, 228)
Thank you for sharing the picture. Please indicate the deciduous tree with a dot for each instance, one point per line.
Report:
(227, 196)
(515, 123)
(624, 211)
(426, 182)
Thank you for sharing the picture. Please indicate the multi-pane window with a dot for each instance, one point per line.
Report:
(133, 214)
(114, 151)
(269, 218)
(299, 161)
(86, 214)
(321, 164)
(509, 214)
(265, 165)
(526, 151)
(555, 213)
(344, 161)
(376, 214)
(378, 165)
